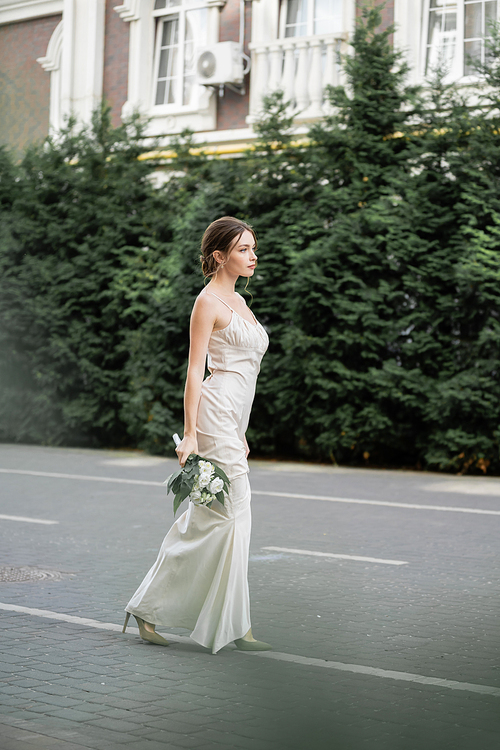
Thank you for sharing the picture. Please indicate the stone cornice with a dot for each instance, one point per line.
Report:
(24, 10)
(52, 60)
(129, 10)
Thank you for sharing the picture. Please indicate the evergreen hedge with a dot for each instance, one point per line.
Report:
(378, 276)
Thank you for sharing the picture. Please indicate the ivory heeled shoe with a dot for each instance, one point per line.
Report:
(146, 635)
(244, 645)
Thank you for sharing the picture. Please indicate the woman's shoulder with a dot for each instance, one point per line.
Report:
(205, 301)
(207, 294)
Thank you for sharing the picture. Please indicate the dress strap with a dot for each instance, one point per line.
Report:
(248, 308)
(219, 298)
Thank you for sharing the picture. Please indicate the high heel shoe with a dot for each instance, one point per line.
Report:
(146, 635)
(244, 645)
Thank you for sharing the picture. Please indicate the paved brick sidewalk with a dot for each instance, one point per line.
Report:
(68, 685)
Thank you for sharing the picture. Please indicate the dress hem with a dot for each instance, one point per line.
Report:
(187, 627)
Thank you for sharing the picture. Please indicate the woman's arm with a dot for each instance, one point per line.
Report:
(203, 319)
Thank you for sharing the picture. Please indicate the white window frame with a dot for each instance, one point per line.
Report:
(13, 11)
(457, 73)
(165, 119)
(483, 47)
(161, 16)
(283, 11)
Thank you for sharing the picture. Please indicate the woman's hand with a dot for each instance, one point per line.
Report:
(247, 449)
(188, 445)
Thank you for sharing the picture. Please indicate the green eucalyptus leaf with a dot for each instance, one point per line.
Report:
(172, 479)
(177, 501)
(177, 484)
(221, 474)
(181, 496)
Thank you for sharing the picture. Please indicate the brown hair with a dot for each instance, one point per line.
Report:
(220, 236)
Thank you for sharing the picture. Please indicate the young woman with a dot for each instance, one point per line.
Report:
(199, 580)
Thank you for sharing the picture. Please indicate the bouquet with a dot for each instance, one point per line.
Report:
(199, 480)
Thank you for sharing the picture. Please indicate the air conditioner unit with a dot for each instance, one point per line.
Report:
(220, 63)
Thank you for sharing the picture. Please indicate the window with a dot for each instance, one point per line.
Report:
(456, 32)
(310, 17)
(181, 29)
(477, 17)
(441, 35)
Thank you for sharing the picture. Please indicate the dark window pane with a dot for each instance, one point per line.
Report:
(171, 99)
(296, 18)
(160, 92)
(170, 32)
(435, 22)
(164, 35)
(471, 50)
(174, 35)
(490, 13)
(292, 11)
(441, 40)
(162, 69)
(159, 4)
(473, 21)
(450, 22)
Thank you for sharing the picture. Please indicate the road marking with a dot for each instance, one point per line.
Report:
(276, 655)
(266, 493)
(338, 557)
(356, 501)
(389, 674)
(84, 477)
(26, 519)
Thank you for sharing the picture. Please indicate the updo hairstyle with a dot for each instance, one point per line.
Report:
(220, 236)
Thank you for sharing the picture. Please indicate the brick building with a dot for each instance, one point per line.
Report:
(62, 56)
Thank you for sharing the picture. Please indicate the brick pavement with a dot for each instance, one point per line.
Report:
(65, 685)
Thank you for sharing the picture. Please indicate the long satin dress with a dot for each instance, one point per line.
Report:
(200, 578)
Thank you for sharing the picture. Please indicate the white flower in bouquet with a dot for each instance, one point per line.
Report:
(203, 479)
(205, 499)
(205, 466)
(216, 485)
(195, 496)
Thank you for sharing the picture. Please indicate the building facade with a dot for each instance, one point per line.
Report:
(204, 64)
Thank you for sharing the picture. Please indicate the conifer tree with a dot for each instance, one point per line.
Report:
(380, 334)
(78, 225)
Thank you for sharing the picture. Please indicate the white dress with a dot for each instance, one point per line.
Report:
(199, 580)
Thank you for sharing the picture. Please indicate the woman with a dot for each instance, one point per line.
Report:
(199, 580)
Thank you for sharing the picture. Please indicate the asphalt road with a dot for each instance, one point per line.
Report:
(379, 591)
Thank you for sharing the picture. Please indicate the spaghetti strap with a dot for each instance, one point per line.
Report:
(253, 316)
(224, 303)
(248, 308)
(235, 311)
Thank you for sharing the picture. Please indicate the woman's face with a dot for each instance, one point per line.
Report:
(241, 259)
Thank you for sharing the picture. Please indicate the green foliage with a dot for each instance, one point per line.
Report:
(378, 277)
(77, 229)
